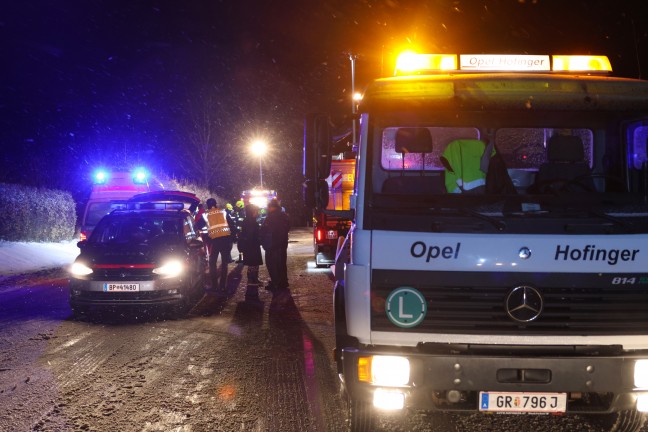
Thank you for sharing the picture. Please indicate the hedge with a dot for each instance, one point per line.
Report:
(36, 214)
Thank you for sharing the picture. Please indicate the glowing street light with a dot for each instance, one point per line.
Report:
(259, 149)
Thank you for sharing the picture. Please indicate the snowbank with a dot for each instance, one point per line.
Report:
(24, 257)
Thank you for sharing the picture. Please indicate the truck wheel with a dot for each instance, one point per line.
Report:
(360, 415)
(342, 338)
(622, 421)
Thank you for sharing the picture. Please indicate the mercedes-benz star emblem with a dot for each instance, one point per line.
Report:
(524, 304)
(524, 253)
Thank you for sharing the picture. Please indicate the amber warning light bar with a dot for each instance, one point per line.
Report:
(415, 64)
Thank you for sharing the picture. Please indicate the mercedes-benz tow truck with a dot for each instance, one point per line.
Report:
(498, 258)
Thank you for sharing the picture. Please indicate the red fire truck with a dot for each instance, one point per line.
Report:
(334, 221)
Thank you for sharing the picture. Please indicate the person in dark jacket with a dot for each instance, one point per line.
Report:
(274, 239)
(249, 243)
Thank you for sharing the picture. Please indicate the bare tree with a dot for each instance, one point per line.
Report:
(206, 152)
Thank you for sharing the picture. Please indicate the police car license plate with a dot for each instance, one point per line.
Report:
(121, 287)
(519, 402)
(331, 234)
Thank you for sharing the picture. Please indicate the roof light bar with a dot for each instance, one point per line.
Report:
(581, 63)
(409, 63)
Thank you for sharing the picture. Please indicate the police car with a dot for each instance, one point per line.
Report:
(146, 254)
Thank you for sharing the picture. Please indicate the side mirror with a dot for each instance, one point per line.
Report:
(316, 193)
(308, 189)
(317, 147)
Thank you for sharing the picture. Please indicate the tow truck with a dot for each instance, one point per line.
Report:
(497, 259)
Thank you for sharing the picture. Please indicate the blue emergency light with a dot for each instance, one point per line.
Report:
(140, 176)
(100, 176)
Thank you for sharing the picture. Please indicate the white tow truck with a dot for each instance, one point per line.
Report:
(498, 258)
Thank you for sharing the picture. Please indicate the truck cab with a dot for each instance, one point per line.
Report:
(497, 260)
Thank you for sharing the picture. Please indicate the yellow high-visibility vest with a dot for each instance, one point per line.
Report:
(216, 223)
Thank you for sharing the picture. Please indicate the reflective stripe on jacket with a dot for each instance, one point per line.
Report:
(216, 223)
(464, 157)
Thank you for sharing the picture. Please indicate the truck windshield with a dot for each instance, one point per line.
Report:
(464, 172)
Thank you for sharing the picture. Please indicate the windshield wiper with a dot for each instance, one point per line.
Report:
(627, 225)
(498, 224)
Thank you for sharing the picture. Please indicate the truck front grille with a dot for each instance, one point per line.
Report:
(475, 303)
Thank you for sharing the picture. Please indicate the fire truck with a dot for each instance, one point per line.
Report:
(497, 260)
(333, 222)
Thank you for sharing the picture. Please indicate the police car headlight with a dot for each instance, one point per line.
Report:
(80, 269)
(170, 269)
(384, 370)
(641, 374)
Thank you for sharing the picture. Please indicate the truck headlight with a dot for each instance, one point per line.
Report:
(641, 374)
(642, 402)
(389, 399)
(384, 370)
(80, 269)
(170, 269)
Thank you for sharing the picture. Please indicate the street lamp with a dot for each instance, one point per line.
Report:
(258, 149)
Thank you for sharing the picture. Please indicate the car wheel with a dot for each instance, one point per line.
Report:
(78, 313)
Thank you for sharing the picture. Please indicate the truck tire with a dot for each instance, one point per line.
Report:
(622, 421)
(360, 416)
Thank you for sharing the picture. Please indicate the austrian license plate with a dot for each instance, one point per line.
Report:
(121, 287)
(331, 234)
(517, 402)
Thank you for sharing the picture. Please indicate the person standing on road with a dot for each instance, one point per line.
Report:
(219, 233)
(274, 239)
(249, 244)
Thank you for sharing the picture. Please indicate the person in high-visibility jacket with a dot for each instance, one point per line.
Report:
(219, 235)
(466, 164)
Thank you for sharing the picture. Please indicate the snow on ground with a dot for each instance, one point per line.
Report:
(25, 257)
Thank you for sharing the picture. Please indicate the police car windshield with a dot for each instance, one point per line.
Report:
(129, 229)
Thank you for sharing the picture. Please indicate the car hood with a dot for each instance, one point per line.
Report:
(127, 254)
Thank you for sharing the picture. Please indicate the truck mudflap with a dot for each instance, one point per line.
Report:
(449, 382)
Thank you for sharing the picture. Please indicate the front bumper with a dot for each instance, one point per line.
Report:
(151, 292)
(325, 254)
(447, 382)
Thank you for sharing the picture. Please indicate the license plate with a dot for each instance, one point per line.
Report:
(522, 402)
(120, 287)
(331, 234)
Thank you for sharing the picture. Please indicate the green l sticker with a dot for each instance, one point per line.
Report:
(406, 307)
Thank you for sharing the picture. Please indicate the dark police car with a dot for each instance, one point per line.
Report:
(144, 254)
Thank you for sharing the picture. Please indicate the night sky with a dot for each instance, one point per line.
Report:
(125, 82)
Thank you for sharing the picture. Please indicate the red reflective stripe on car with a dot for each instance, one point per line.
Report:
(112, 266)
